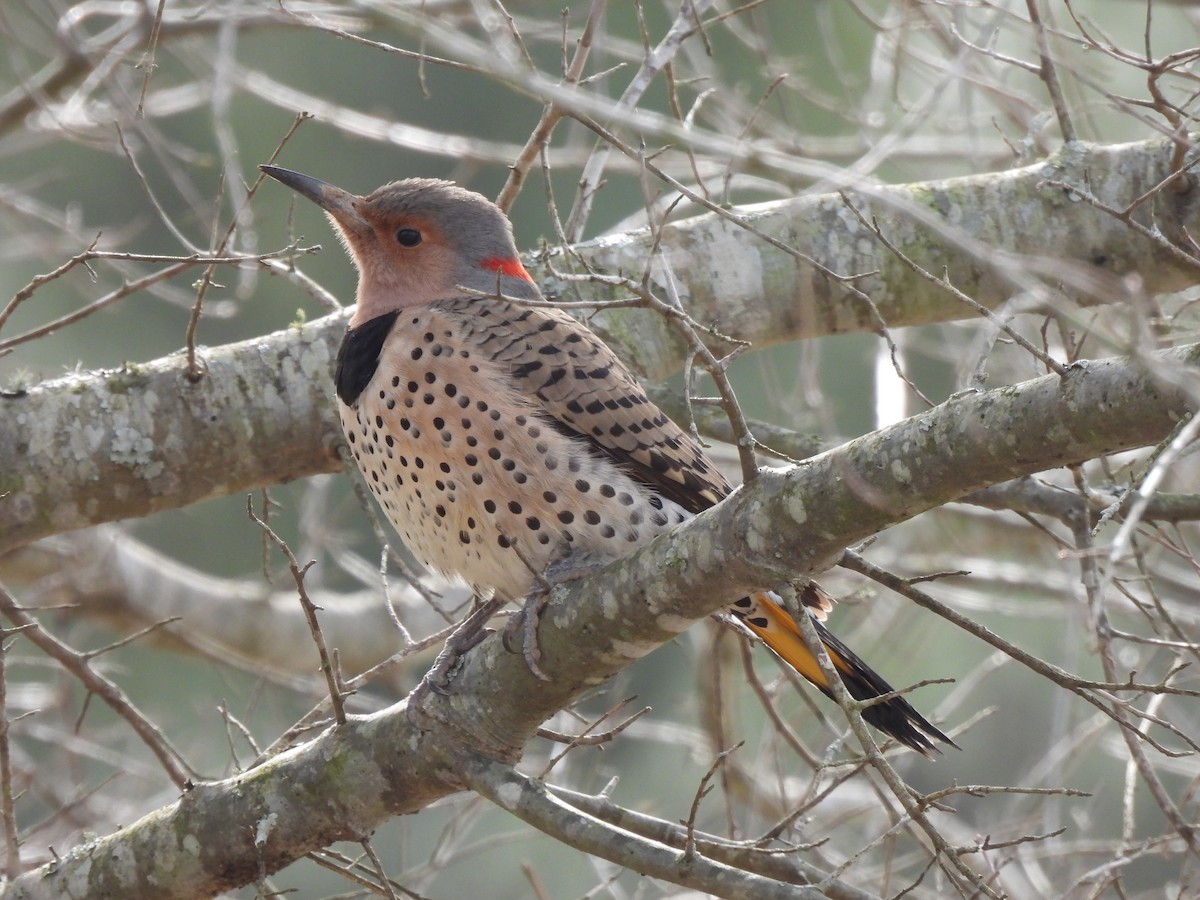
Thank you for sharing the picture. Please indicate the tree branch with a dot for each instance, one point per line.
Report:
(532, 802)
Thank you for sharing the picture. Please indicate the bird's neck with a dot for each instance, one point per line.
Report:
(377, 297)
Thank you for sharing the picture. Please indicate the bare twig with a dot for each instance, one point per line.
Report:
(78, 664)
(337, 694)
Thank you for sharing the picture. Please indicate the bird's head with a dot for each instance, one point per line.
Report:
(417, 241)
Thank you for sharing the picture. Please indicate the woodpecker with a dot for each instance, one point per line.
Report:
(501, 438)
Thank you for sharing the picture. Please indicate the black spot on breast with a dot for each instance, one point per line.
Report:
(358, 356)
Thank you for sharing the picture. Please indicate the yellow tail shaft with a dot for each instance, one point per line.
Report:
(895, 717)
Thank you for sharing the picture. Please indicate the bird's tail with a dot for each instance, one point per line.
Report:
(772, 623)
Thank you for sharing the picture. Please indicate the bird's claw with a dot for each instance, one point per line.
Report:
(470, 632)
(526, 621)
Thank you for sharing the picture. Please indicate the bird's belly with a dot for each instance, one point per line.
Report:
(481, 487)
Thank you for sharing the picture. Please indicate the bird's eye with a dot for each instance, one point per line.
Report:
(408, 237)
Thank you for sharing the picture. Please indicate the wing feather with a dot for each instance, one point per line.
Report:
(585, 391)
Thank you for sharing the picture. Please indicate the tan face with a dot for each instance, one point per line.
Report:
(402, 260)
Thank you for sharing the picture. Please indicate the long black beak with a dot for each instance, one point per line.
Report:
(341, 205)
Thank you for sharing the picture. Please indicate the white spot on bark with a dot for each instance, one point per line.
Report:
(509, 795)
(130, 447)
(796, 508)
(901, 472)
(263, 830)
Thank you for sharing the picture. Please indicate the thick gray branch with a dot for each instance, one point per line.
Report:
(994, 235)
(102, 446)
(348, 780)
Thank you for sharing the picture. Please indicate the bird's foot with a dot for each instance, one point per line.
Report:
(470, 632)
(526, 620)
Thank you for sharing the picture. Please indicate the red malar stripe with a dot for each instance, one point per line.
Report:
(511, 266)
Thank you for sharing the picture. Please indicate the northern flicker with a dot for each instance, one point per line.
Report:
(501, 438)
